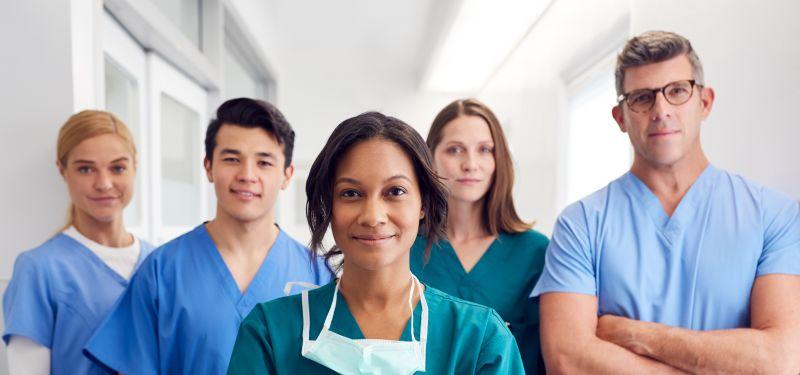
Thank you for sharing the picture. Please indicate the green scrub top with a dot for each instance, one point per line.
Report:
(463, 337)
(502, 279)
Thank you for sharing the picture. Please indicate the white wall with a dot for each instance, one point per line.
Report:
(750, 55)
(36, 97)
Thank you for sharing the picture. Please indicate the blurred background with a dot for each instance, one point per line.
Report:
(544, 66)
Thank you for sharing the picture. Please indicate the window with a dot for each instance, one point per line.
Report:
(178, 123)
(124, 63)
(185, 14)
(596, 151)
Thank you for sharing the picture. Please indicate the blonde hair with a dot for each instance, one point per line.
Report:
(82, 126)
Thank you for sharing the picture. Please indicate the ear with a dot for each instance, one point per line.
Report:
(616, 113)
(422, 214)
(288, 172)
(707, 100)
(61, 168)
(207, 166)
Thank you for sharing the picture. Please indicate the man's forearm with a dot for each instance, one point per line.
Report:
(728, 351)
(596, 356)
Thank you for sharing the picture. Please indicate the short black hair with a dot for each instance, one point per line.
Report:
(372, 125)
(251, 113)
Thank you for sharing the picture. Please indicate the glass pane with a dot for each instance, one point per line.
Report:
(238, 81)
(180, 164)
(185, 14)
(122, 99)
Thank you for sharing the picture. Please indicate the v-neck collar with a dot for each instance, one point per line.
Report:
(344, 322)
(459, 267)
(670, 226)
(92, 258)
(243, 301)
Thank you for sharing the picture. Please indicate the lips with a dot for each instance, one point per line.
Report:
(103, 199)
(373, 239)
(468, 181)
(662, 133)
(245, 194)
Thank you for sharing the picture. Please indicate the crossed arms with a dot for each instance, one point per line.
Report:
(575, 340)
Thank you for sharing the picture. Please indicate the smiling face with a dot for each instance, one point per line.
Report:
(465, 158)
(377, 205)
(248, 172)
(99, 173)
(667, 133)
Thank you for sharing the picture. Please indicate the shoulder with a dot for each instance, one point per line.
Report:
(455, 308)
(146, 246)
(292, 246)
(743, 188)
(180, 246)
(528, 239)
(466, 315)
(294, 301)
(53, 251)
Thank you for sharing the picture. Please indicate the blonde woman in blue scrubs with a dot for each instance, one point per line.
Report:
(374, 186)
(490, 256)
(62, 290)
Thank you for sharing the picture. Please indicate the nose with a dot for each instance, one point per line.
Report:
(103, 181)
(661, 108)
(373, 213)
(246, 173)
(468, 164)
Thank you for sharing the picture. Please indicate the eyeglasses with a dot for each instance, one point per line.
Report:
(643, 100)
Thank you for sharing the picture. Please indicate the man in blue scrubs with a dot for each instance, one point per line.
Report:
(182, 310)
(677, 266)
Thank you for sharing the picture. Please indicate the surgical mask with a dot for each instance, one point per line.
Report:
(367, 356)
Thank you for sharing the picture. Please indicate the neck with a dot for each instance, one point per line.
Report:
(379, 289)
(670, 182)
(236, 236)
(465, 220)
(107, 233)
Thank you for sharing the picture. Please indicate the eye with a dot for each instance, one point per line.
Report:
(487, 149)
(84, 169)
(397, 191)
(677, 91)
(230, 159)
(118, 169)
(264, 163)
(349, 193)
(453, 150)
(641, 97)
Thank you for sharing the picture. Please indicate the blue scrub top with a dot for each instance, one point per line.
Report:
(694, 270)
(183, 308)
(58, 295)
(463, 337)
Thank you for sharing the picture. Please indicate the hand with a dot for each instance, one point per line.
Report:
(621, 331)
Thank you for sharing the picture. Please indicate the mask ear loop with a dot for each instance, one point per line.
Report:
(411, 306)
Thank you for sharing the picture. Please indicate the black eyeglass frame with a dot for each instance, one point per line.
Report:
(662, 90)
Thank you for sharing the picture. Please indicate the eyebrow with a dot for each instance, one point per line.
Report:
(449, 143)
(83, 161)
(230, 151)
(356, 182)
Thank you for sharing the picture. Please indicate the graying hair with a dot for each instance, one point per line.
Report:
(653, 47)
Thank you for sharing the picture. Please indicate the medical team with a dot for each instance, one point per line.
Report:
(675, 267)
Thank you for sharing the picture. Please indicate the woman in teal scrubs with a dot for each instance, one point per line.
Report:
(373, 185)
(490, 256)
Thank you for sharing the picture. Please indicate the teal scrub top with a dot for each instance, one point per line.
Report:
(502, 279)
(463, 337)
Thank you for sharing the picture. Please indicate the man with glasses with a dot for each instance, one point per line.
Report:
(676, 266)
